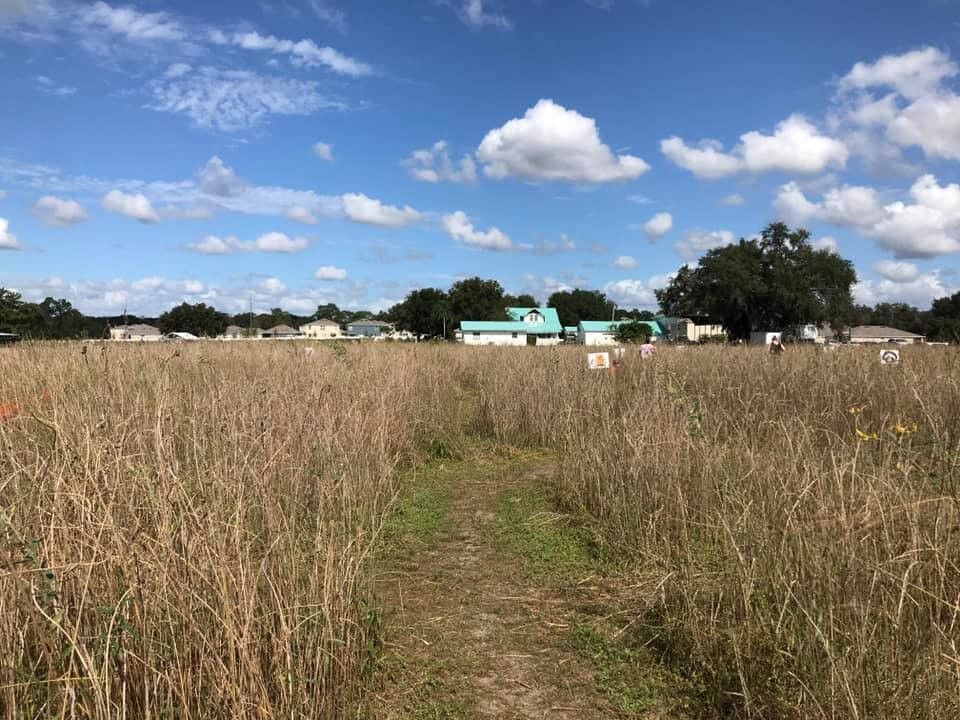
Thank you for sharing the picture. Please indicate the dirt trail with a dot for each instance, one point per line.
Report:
(484, 585)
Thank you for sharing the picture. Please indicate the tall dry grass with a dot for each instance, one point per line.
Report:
(797, 517)
(184, 529)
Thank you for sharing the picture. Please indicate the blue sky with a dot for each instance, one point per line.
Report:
(297, 152)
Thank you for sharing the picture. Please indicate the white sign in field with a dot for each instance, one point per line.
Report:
(598, 361)
(889, 357)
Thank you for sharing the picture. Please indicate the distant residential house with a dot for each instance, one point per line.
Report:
(882, 334)
(138, 332)
(322, 329)
(280, 332)
(234, 332)
(526, 326)
(8, 338)
(682, 329)
(369, 328)
(604, 332)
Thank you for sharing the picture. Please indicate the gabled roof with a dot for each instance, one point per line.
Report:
(495, 326)
(551, 321)
(233, 330)
(138, 329)
(605, 326)
(281, 330)
(880, 331)
(321, 321)
(368, 323)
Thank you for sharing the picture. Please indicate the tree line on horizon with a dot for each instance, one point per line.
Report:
(774, 281)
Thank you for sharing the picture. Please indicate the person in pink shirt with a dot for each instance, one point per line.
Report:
(646, 350)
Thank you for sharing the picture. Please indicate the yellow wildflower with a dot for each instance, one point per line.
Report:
(854, 410)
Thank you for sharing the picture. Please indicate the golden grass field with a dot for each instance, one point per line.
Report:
(185, 531)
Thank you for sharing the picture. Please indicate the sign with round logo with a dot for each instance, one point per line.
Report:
(889, 357)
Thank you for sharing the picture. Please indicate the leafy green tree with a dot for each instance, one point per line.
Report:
(898, 315)
(522, 300)
(328, 312)
(18, 316)
(774, 282)
(423, 312)
(199, 319)
(477, 299)
(572, 306)
(943, 321)
(633, 331)
(62, 320)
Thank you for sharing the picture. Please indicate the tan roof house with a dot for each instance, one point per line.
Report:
(138, 332)
(322, 329)
(281, 331)
(883, 334)
(233, 332)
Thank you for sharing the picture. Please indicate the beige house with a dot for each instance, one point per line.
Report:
(321, 330)
(136, 333)
(883, 334)
(690, 329)
(233, 332)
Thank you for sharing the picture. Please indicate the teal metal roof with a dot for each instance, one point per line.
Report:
(551, 321)
(607, 326)
(493, 326)
(550, 325)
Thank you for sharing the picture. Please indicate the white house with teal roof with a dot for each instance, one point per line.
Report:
(604, 332)
(526, 326)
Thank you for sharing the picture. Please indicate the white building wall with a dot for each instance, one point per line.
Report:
(321, 332)
(763, 338)
(544, 340)
(494, 338)
(596, 338)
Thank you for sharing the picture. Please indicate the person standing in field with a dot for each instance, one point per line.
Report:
(646, 350)
(776, 347)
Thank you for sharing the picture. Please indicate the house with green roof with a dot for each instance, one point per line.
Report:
(603, 332)
(526, 326)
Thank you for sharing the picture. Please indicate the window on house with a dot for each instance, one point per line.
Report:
(514, 334)
(476, 334)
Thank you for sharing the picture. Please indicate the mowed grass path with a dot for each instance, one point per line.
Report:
(498, 606)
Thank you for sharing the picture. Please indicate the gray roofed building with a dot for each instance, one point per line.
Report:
(137, 331)
(882, 334)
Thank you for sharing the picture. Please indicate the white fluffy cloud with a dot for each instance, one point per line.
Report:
(360, 208)
(658, 226)
(434, 164)
(474, 14)
(796, 146)
(280, 243)
(552, 143)
(920, 291)
(330, 272)
(636, 293)
(301, 53)
(732, 200)
(300, 214)
(926, 227)
(272, 242)
(898, 272)
(905, 98)
(827, 243)
(696, 242)
(323, 150)
(135, 206)
(8, 241)
(458, 226)
(56, 212)
(131, 23)
(626, 262)
(232, 100)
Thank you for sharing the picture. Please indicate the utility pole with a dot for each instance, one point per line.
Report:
(250, 316)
